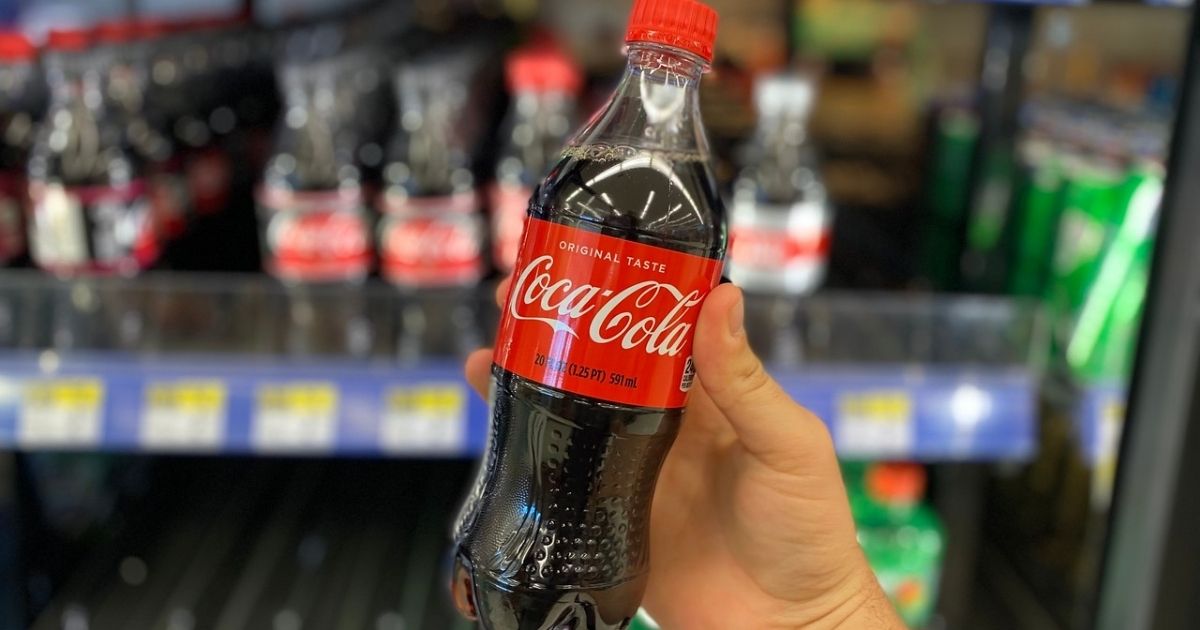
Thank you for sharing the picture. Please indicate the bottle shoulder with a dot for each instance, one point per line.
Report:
(644, 195)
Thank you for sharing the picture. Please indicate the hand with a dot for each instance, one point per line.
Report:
(751, 527)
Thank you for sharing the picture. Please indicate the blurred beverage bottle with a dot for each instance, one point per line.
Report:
(1103, 340)
(123, 53)
(315, 223)
(780, 217)
(956, 134)
(1036, 217)
(90, 199)
(432, 231)
(544, 83)
(901, 536)
(90, 202)
(197, 69)
(18, 95)
(1090, 210)
(989, 221)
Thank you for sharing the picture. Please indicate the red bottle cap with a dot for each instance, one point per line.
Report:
(14, 46)
(685, 24)
(68, 39)
(896, 484)
(116, 32)
(542, 70)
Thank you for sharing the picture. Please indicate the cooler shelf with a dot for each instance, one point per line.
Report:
(219, 405)
(242, 365)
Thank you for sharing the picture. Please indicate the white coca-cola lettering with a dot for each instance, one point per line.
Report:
(318, 234)
(761, 248)
(430, 241)
(615, 320)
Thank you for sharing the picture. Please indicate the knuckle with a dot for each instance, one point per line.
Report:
(750, 379)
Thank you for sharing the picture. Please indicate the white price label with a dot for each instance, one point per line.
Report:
(64, 412)
(184, 414)
(295, 417)
(430, 417)
(875, 423)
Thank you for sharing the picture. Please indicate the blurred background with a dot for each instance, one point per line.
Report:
(246, 244)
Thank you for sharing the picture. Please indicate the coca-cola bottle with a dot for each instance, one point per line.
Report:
(623, 241)
(779, 218)
(432, 231)
(124, 55)
(543, 82)
(90, 211)
(315, 224)
(18, 67)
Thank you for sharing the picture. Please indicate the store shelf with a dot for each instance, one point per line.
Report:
(251, 406)
(240, 364)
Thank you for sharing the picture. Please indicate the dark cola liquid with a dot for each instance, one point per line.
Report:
(554, 534)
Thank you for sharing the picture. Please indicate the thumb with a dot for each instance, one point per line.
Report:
(770, 425)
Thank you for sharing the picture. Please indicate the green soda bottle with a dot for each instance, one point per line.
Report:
(983, 259)
(1102, 342)
(955, 136)
(1090, 211)
(1036, 216)
(902, 538)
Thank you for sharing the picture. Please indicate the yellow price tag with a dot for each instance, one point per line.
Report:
(875, 423)
(184, 414)
(296, 416)
(426, 417)
(61, 412)
(303, 397)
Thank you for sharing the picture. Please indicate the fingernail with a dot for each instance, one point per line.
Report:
(737, 316)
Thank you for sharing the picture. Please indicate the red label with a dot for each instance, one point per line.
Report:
(760, 248)
(509, 206)
(604, 317)
(432, 241)
(209, 176)
(316, 236)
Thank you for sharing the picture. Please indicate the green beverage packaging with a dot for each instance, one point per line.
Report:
(1039, 204)
(956, 134)
(902, 537)
(1102, 341)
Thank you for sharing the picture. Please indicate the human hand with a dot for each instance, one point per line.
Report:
(751, 527)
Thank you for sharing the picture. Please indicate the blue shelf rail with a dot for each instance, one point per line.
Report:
(259, 406)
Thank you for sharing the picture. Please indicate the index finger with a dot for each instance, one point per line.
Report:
(502, 291)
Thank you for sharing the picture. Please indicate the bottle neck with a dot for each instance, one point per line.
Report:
(656, 105)
(74, 82)
(541, 121)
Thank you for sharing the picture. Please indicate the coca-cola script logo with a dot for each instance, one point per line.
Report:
(616, 316)
(430, 241)
(771, 249)
(317, 235)
(603, 317)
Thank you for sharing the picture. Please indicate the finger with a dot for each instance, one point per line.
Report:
(502, 291)
(766, 420)
(478, 370)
